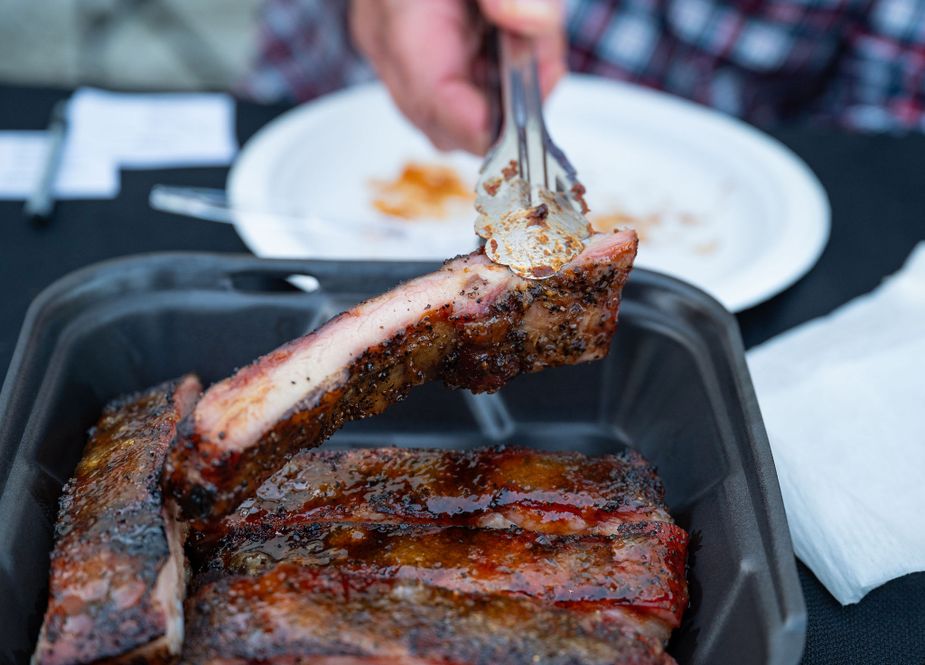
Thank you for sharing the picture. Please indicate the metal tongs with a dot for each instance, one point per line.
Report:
(530, 203)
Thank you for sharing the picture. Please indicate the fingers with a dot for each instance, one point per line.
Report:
(423, 53)
(534, 18)
(458, 117)
(544, 21)
(550, 53)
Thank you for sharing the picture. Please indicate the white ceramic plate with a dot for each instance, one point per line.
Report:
(716, 202)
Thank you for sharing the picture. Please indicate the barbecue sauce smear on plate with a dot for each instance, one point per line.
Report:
(421, 192)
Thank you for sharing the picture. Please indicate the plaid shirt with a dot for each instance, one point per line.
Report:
(854, 63)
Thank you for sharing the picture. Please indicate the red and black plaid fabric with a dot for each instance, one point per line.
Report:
(304, 52)
(854, 63)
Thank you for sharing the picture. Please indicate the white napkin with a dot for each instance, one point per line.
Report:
(843, 399)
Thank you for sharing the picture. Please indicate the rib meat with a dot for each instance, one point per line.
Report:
(541, 491)
(641, 567)
(117, 570)
(293, 614)
(472, 324)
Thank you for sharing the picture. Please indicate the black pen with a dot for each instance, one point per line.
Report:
(41, 204)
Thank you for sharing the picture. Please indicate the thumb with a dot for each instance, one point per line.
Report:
(527, 17)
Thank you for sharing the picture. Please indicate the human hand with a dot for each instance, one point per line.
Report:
(426, 51)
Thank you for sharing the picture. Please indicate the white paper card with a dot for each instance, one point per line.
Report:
(108, 131)
(842, 398)
(22, 163)
(153, 130)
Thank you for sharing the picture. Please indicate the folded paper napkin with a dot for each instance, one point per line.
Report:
(843, 399)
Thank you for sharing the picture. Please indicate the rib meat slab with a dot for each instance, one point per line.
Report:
(117, 570)
(293, 614)
(640, 568)
(541, 491)
(471, 323)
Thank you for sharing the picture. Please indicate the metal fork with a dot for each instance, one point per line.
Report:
(526, 182)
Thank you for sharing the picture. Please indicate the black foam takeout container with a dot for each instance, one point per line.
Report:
(675, 386)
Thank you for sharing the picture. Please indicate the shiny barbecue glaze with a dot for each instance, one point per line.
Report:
(292, 614)
(641, 567)
(117, 571)
(472, 324)
(541, 491)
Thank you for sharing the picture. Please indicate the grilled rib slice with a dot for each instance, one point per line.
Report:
(117, 570)
(626, 569)
(641, 567)
(294, 614)
(471, 323)
(545, 492)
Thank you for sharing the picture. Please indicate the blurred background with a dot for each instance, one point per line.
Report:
(127, 44)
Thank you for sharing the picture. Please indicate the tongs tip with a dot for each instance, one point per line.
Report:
(531, 205)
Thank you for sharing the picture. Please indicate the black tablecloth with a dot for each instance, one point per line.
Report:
(877, 189)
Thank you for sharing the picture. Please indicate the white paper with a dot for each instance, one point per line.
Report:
(153, 130)
(21, 157)
(108, 131)
(22, 163)
(842, 398)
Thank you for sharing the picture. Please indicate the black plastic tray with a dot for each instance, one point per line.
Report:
(675, 386)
